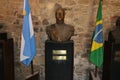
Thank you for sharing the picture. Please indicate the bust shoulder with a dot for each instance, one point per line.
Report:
(52, 26)
(113, 36)
(70, 27)
(115, 33)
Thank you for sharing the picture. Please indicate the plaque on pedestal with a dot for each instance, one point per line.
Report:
(59, 60)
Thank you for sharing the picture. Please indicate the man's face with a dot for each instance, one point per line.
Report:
(59, 14)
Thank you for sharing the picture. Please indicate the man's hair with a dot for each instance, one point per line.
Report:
(61, 9)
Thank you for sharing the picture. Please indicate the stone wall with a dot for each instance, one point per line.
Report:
(79, 13)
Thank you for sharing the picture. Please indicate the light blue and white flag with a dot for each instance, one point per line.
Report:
(28, 47)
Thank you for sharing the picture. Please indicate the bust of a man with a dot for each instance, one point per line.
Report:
(114, 36)
(60, 31)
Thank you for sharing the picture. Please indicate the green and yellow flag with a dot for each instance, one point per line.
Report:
(96, 55)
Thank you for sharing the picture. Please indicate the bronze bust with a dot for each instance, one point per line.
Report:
(114, 36)
(60, 31)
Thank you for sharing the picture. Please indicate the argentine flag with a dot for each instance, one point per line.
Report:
(28, 47)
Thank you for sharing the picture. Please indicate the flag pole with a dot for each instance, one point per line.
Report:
(96, 70)
(32, 71)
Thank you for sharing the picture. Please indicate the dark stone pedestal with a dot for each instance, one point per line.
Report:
(59, 60)
(111, 65)
(6, 58)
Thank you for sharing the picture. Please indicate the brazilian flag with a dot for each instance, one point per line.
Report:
(96, 55)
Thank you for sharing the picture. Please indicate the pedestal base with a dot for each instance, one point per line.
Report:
(59, 60)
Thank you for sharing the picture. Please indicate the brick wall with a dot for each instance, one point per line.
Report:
(79, 13)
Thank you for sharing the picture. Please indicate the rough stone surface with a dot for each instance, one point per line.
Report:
(79, 13)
